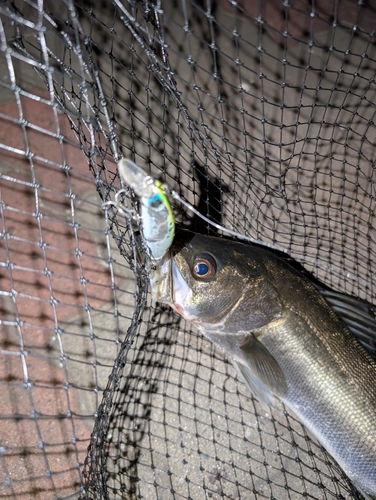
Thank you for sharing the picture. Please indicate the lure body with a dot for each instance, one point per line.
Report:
(158, 223)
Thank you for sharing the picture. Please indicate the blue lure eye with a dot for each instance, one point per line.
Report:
(156, 202)
(204, 267)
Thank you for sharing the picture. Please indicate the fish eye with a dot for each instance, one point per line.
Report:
(204, 267)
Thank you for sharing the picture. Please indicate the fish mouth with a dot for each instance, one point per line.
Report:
(161, 282)
(168, 286)
(181, 292)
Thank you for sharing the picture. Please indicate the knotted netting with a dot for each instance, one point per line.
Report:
(260, 115)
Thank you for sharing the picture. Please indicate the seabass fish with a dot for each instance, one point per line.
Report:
(283, 338)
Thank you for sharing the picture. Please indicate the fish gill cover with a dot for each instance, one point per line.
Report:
(260, 115)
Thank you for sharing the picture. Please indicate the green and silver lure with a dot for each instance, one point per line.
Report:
(158, 223)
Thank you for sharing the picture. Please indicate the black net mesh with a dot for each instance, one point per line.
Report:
(261, 115)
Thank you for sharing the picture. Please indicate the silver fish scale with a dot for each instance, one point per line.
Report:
(334, 398)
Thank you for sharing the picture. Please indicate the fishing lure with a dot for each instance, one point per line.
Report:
(158, 223)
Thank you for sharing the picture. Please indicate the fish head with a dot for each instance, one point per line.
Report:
(217, 284)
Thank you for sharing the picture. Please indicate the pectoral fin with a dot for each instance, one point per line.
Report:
(261, 392)
(261, 372)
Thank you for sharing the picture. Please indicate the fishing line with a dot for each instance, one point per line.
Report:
(137, 218)
(240, 236)
(190, 207)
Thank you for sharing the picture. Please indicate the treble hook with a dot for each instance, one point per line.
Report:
(128, 213)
